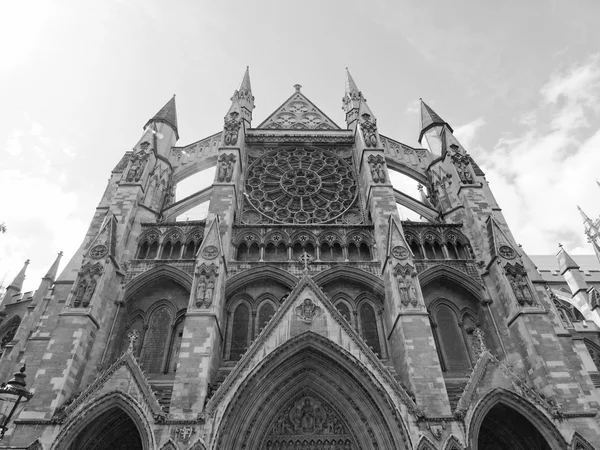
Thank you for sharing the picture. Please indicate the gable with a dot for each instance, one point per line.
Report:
(298, 113)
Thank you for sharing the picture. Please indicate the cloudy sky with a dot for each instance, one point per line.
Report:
(518, 81)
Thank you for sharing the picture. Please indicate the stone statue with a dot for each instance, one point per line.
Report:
(87, 297)
(403, 288)
(208, 299)
(79, 293)
(412, 292)
(200, 291)
(222, 170)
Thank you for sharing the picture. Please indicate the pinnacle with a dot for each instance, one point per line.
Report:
(429, 119)
(246, 86)
(53, 270)
(351, 87)
(17, 283)
(565, 261)
(168, 115)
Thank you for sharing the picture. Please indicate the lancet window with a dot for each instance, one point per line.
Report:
(451, 338)
(7, 333)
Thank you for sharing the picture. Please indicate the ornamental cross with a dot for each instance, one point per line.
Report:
(133, 336)
(305, 259)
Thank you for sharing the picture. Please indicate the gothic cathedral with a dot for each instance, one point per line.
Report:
(302, 313)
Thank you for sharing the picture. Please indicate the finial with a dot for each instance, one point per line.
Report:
(297, 87)
(560, 245)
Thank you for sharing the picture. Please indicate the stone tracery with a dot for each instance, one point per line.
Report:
(301, 185)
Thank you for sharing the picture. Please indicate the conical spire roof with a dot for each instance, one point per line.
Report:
(246, 86)
(17, 283)
(565, 262)
(168, 115)
(53, 270)
(584, 216)
(351, 87)
(430, 119)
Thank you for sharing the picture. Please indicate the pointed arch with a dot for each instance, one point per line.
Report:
(426, 444)
(260, 273)
(199, 444)
(162, 271)
(452, 443)
(374, 283)
(89, 412)
(578, 442)
(169, 445)
(443, 271)
(538, 418)
(312, 364)
(36, 445)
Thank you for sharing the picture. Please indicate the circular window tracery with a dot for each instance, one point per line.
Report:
(299, 185)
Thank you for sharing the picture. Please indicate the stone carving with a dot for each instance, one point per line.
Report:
(298, 114)
(399, 252)
(210, 252)
(231, 129)
(88, 279)
(518, 280)
(184, 434)
(307, 311)
(369, 129)
(9, 335)
(137, 166)
(132, 337)
(408, 293)
(301, 185)
(478, 343)
(226, 166)
(98, 251)
(309, 424)
(305, 259)
(506, 252)
(205, 288)
(377, 166)
(462, 164)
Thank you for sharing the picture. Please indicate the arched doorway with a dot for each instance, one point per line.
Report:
(112, 430)
(317, 396)
(503, 428)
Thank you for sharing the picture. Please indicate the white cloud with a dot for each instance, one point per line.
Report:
(466, 133)
(541, 174)
(13, 143)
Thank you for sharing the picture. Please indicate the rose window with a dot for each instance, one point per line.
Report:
(299, 185)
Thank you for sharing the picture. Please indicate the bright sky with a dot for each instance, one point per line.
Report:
(518, 81)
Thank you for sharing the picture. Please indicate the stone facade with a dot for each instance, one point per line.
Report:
(302, 313)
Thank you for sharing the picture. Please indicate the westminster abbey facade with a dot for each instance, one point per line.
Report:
(303, 313)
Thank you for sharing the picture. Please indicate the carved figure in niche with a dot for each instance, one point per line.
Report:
(403, 288)
(412, 292)
(307, 311)
(87, 297)
(79, 293)
(226, 166)
(462, 163)
(208, 299)
(369, 129)
(200, 291)
(525, 290)
(138, 164)
(516, 289)
(307, 416)
(231, 129)
(376, 164)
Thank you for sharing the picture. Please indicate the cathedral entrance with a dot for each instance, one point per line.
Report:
(112, 430)
(503, 428)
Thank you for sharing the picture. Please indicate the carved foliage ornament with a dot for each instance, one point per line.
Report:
(399, 252)
(506, 252)
(377, 166)
(226, 166)
(88, 279)
(231, 128)
(210, 252)
(369, 129)
(463, 167)
(98, 251)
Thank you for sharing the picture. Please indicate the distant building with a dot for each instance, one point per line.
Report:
(302, 313)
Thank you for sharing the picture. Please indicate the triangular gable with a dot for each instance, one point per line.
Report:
(306, 310)
(499, 243)
(105, 242)
(211, 245)
(119, 376)
(397, 247)
(298, 113)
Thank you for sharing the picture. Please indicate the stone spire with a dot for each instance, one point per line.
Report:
(168, 115)
(53, 270)
(242, 101)
(565, 262)
(17, 283)
(430, 119)
(591, 231)
(352, 99)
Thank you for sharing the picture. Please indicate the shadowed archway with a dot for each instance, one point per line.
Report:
(310, 393)
(112, 430)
